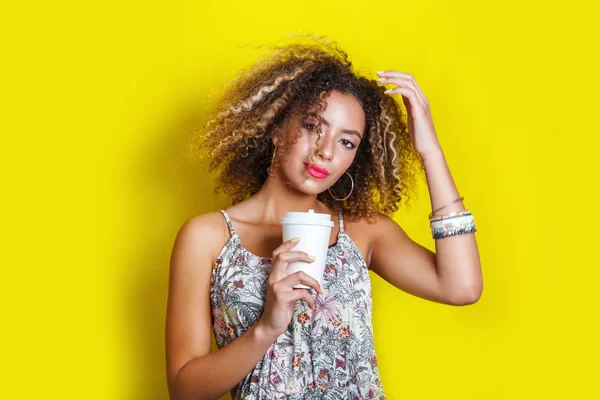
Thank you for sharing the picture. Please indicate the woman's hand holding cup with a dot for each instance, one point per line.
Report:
(281, 296)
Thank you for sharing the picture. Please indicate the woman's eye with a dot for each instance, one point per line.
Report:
(346, 142)
(310, 126)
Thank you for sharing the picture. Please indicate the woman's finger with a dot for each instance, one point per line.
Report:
(408, 92)
(303, 294)
(298, 277)
(285, 246)
(279, 263)
(278, 267)
(405, 82)
(289, 256)
(398, 74)
(404, 75)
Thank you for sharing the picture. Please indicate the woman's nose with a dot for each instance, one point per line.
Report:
(325, 147)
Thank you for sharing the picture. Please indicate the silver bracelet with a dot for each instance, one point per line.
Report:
(451, 215)
(446, 205)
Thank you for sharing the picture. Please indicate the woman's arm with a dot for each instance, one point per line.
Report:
(453, 273)
(457, 257)
(193, 372)
(450, 275)
(213, 375)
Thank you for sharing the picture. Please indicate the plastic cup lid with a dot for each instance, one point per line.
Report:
(307, 218)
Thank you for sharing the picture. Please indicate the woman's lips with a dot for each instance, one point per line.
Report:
(315, 172)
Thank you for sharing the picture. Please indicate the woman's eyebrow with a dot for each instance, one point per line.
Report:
(349, 131)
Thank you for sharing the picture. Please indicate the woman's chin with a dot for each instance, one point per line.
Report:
(310, 186)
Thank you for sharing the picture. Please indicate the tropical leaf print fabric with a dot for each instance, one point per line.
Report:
(325, 354)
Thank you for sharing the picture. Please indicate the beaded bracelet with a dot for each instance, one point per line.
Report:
(454, 225)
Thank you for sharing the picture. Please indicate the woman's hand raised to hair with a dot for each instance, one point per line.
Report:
(420, 123)
(281, 296)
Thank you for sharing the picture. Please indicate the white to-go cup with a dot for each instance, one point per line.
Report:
(314, 230)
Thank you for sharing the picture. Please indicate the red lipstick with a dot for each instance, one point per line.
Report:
(316, 171)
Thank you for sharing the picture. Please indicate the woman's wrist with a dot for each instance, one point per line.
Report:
(263, 335)
(434, 154)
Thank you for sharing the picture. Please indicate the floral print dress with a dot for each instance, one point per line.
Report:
(328, 353)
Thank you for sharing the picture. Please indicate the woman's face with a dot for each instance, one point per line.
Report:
(342, 130)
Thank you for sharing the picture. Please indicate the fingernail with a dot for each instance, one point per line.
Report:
(380, 72)
(312, 257)
(295, 239)
(321, 288)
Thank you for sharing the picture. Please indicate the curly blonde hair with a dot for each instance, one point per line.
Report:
(260, 103)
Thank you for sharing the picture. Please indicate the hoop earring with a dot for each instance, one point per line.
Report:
(348, 193)
(272, 159)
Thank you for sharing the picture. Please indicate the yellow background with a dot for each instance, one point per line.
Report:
(98, 102)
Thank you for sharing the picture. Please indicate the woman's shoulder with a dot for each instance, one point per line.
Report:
(211, 222)
(208, 231)
(362, 221)
(365, 228)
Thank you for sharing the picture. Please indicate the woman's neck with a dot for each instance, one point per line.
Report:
(275, 198)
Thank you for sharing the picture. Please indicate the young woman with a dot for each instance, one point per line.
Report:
(301, 130)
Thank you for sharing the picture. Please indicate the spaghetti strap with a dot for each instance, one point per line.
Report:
(231, 230)
(341, 221)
